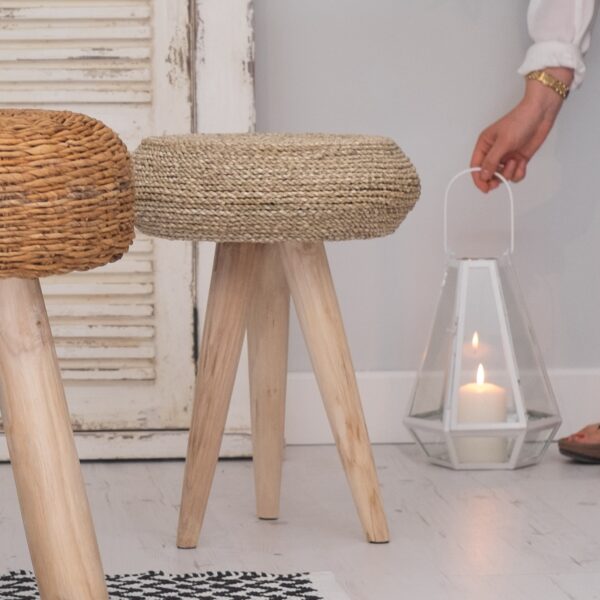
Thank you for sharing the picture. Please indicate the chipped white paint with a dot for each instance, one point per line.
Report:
(225, 104)
(225, 66)
(128, 444)
(60, 309)
(14, 11)
(99, 331)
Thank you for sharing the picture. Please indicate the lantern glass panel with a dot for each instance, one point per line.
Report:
(484, 449)
(433, 443)
(538, 398)
(535, 444)
(432, 382)
(484, 351)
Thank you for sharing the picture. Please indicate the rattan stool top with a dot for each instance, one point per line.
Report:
(272, 187)
(66, 193)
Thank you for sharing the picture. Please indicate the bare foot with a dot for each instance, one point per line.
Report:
(588, 435)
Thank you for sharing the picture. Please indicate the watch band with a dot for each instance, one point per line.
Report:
(561, 88)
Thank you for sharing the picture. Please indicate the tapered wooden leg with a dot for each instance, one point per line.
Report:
(51, 491)
(311, 287)
(222, 337)
(268, 324)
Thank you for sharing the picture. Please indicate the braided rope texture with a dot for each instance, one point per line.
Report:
(66, 193)
(272, 187)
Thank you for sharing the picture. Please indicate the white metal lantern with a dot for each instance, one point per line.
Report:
(482, 399)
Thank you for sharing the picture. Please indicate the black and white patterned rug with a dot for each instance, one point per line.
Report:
(224, 585)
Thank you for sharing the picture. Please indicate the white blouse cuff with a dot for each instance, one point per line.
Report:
(554, 54)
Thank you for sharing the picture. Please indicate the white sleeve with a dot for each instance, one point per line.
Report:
(560, 30)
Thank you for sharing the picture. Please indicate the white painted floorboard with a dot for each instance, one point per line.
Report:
(530, 534)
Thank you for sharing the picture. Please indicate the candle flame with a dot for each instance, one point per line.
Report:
(480, 375)
(475, 341)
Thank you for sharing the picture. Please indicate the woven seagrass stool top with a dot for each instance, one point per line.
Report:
(272, 187)
(66, 193)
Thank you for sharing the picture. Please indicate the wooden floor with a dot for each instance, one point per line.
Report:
(528, 534)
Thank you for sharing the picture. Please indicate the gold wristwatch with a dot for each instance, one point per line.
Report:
(561, 88)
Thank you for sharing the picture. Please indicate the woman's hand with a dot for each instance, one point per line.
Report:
(507, 145)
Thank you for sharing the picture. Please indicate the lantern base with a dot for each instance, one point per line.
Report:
(484, 449)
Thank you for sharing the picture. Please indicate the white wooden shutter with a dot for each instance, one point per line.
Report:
(125, 332)
(103, 320)
(69, 52)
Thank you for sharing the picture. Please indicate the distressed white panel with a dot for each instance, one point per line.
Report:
(142, 245)
(143, 378)
(16, 74)
(100, 288)
(96, 30)
(225, 66)
(106, 317)
(225, 103)
(115, 374)
(70, 53)
(109, 309)
(130, 444)
(138, 86)
(102, 331)
(128, 264)
(66, 53)
(13, 94)
(78, 350)
(24, 11)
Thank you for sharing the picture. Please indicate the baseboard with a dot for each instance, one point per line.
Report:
(386, 394)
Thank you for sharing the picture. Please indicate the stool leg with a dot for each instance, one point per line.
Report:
(51, 491)
(311, 286)
(268, 322)
(222, 337)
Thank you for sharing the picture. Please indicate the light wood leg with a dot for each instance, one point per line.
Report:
(51, 491)
(311, 286)
(222, 337)
(268, 324)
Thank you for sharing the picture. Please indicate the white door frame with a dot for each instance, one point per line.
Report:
(224, 103)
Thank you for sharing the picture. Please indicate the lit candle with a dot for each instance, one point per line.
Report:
(475, 342)
(481, 402)
(475, 348)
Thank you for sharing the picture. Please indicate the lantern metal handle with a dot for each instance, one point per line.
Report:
(511, 248)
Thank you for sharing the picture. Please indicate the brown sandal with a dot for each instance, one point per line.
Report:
(580, 451)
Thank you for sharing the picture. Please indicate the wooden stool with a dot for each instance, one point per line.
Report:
(270, 201)
(66, 203)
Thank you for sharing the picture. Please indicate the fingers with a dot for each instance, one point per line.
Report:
(493, 154)
(491, 163)
(509, 169)
(520, 171)
(482, 147)
(489, 154)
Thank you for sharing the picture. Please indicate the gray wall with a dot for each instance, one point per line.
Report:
(431, 74)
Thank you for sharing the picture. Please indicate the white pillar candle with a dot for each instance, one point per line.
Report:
(481, 402)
